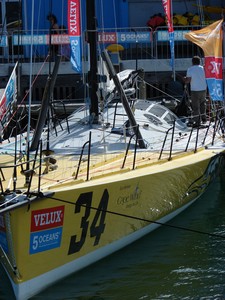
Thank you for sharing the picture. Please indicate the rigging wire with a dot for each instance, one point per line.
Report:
(186, 6)
(114, 11)
(31, 72)
(144, 220)
(162, 92)
(201, 12)
(222, 10)
(38, 29)
(102, 15)
(62, 17)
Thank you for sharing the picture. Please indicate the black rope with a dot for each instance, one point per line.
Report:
(146, 220)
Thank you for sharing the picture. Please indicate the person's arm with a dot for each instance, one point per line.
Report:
(56, 28)
(187, 80)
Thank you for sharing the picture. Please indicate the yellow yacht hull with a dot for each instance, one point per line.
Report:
(84, 221)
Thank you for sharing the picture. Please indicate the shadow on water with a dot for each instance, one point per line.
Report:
(167, 264)
(6, 292)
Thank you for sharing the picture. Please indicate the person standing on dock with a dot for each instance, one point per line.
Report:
(196, 77)
(54, 29)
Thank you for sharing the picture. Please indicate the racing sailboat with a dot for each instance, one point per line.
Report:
(99, 180)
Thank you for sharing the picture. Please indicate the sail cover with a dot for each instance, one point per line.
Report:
(74, 30)
(210, 40)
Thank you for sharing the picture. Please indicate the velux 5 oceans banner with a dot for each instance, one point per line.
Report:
(210, 40)
(74, 31)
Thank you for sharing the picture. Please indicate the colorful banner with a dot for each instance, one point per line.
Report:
(167, 11)
(74, 31)
(210, 40)
(9, 97)
(169, 20)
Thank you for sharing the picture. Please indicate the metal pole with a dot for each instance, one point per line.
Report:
(31, 72)
(4, 22)
(173, 61)
(92, 74)
(30, 94)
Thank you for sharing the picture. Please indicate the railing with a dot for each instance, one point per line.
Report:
(36, 163)
(145, 43)
(137, 43)
(182, 47)
(164, 142)
(27, 172)
(128, 147)
(56, 105)
(88, 160)
(217, 128)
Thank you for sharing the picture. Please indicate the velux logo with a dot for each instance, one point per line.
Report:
(47, 218)
(213, 67)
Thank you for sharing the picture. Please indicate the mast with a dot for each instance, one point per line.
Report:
(92, 74)
(44, 114)
(124, 100)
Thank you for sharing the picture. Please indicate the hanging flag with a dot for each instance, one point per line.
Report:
(167, 11)
(8, 98)
(74, 31)
(210, 40)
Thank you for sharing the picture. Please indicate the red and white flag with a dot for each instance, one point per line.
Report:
(169, 21)
(74, 30)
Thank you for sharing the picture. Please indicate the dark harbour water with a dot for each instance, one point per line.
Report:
(167, 264)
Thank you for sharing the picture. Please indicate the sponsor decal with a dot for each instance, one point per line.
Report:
(45, 240)
(107, 37)
(129, 199)
(92, 226)
(39, 39)
(58, 39)
(47, 218)
(214, 67)
(163, 36)
(124, 37)
(46, 229)
(133, 37)
(43, 39)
